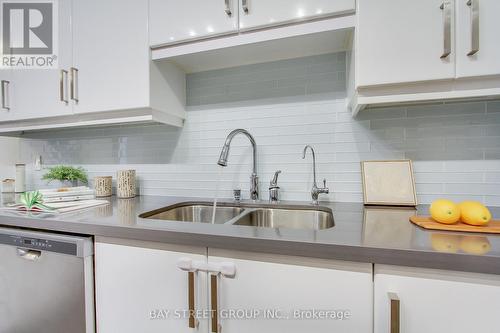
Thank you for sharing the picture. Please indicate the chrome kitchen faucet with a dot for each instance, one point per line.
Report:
(315, 191)
(254, 180)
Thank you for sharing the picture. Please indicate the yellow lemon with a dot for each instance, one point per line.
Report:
(445, 211)
(445, 242)
(474, 213)
(475, 245)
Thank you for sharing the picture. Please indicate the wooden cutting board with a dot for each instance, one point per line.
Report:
(427, 222)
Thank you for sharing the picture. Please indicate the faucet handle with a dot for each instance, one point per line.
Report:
(274, 181)
(325, 189)
(274, 189)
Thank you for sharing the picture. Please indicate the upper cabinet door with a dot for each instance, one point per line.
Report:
(404, 41)
(259, 13)
(478, 47)
(172, 21)
(111, 55)
(43, 93)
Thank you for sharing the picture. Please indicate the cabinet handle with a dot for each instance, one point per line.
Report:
(214, 307)
(63, 86)
(74, 84)
(244, 4)
(446, 8)
(227, 3)
(5, 95)
(395, 312)
(474, 26)
(191, 301)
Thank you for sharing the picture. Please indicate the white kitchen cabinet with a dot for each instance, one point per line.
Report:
(403, 41)
(260, 13)
(110, 54)
(42, 93)
(435, 301)
(282, 285)
(172, 21)
(108, 76)
(112, 69)
(137, 282)
(420, 51)
(486, 60)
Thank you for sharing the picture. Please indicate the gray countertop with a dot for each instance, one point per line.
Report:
(363, 234)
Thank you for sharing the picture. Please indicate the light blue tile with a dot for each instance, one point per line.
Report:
(440, 155)
(383, 113)
(492, 154)
(432, 110)
(493, 106)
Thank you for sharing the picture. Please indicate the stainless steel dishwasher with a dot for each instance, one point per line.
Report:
(46, 283)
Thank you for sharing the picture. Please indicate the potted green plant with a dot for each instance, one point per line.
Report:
(67, 175)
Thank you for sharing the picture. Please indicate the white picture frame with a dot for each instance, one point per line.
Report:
(389, 183)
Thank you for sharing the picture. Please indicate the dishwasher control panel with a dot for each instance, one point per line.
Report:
(41, 244)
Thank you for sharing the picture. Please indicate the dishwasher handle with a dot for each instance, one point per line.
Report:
(27, 254)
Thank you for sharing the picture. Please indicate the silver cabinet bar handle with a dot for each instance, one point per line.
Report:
(244, 4)
(446, 8)
(214, 306)
(63, 86)
(5, 95)
(474, 26)
(395, 313)
(228, 11)
(74, 84)
(192, 323)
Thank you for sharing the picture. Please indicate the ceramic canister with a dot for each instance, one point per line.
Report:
(125, 184)
(103, 186)
(8, 186)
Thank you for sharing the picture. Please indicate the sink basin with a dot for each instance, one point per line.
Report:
(194, 212)
(309, 219)
(247, 214)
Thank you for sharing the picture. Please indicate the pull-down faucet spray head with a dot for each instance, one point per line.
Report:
(254, 180)
(224, 155)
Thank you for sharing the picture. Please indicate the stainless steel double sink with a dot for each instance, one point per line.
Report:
(247, 214)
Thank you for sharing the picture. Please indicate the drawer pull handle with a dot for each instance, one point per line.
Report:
(63, 86)
(192, 323)
(474, 26)
(446, 8)
(214, 306)
(228, 11)
(5, 95)
(74, 84)
(395, 313)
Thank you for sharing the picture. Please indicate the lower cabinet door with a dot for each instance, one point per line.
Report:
(140, 289)
(435, 301)
(272, 294)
